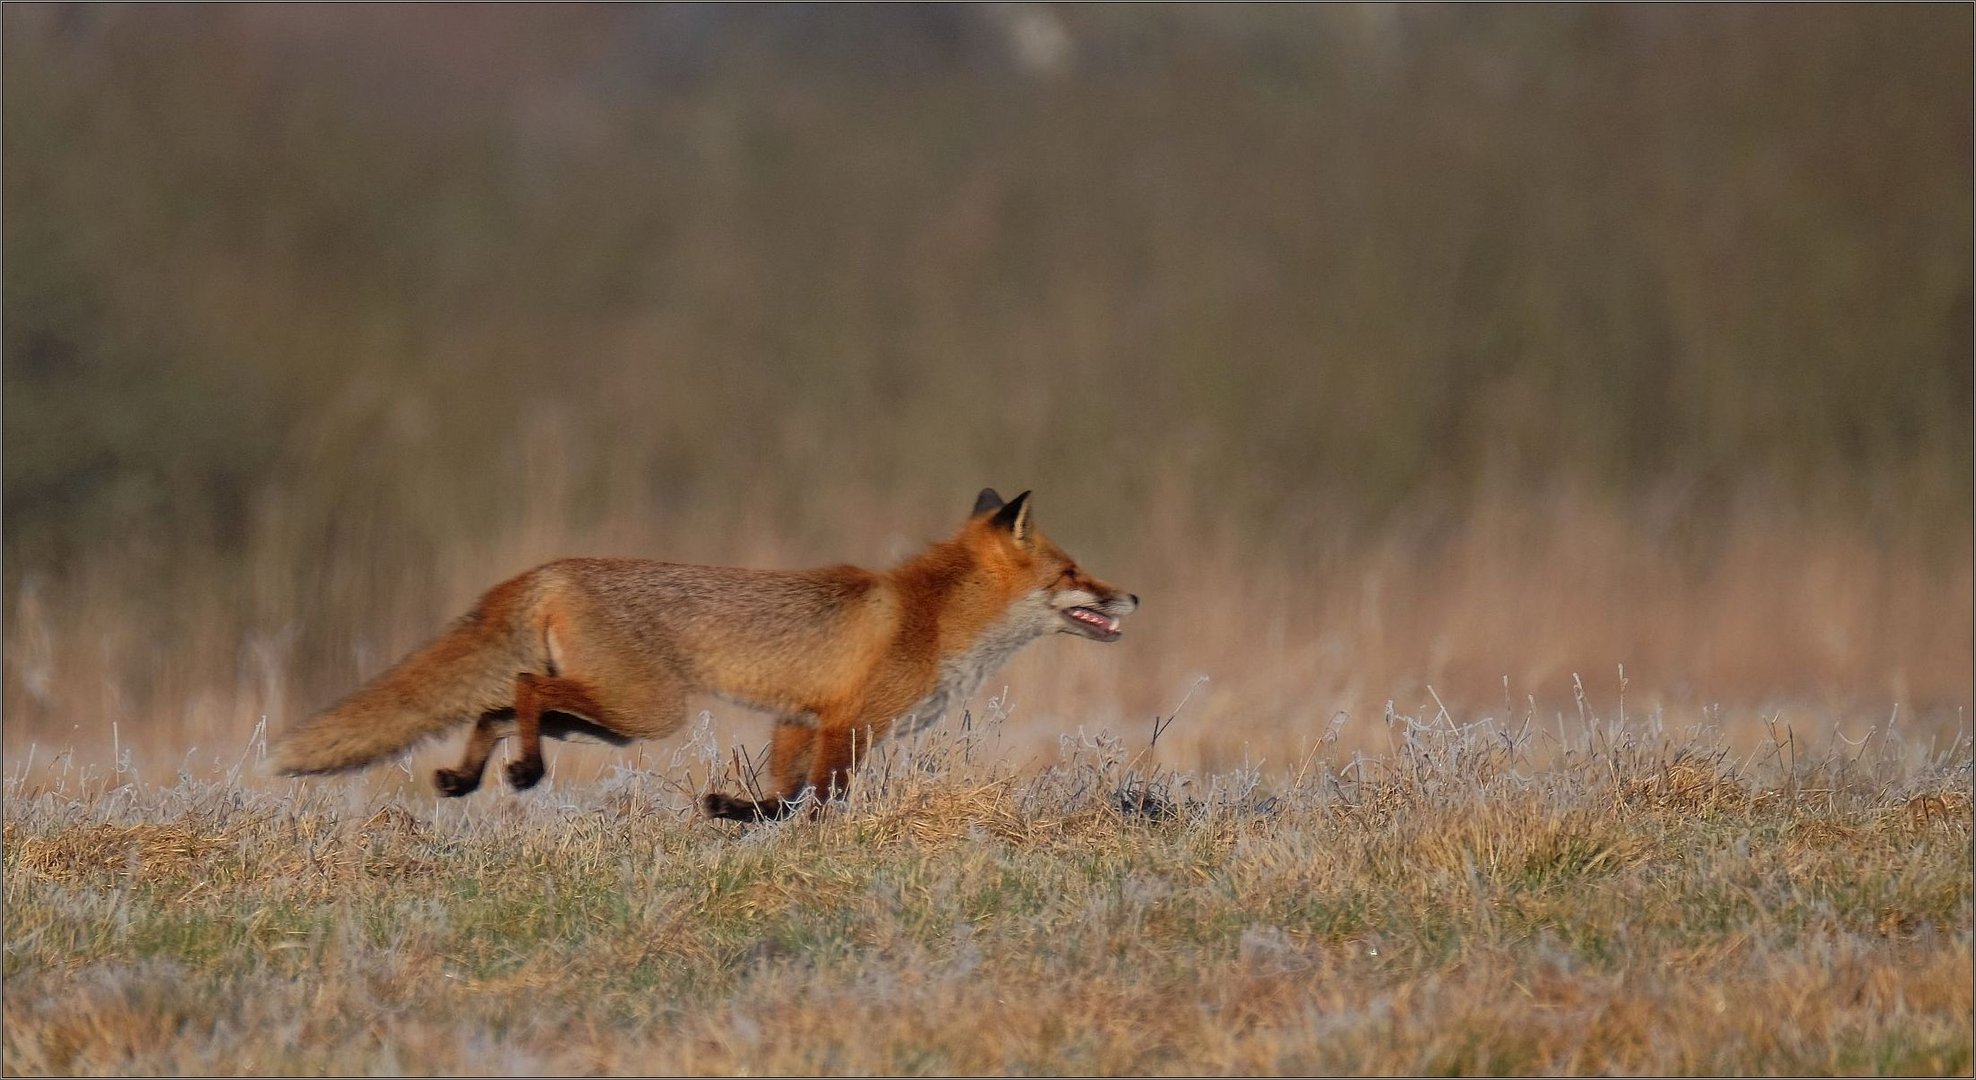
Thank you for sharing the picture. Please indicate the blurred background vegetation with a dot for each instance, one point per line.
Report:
(1373, 344)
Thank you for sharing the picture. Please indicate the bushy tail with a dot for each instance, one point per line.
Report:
(466, 671)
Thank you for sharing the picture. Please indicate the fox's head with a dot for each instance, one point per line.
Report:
(1064, 597)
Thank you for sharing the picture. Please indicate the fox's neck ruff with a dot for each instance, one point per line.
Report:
(979, 626)
(962, 673)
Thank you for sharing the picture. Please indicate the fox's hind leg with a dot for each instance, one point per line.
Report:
(625, 708)
(464, 778)
(535, 695)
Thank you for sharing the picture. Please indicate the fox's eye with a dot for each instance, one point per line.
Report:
(1069, 572)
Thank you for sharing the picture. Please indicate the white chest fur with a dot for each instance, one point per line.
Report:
(962, 674)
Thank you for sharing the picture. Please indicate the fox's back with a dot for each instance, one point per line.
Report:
(791, 639)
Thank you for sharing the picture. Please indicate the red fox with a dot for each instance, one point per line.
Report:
(609, 649)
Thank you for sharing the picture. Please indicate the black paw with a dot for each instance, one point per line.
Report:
(733, 809)
(453, 784)
(524, 773)
(723, 806)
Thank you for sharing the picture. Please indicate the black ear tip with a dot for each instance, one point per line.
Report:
(1013, 514)
(987, 500)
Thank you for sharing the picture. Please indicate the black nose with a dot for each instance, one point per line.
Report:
(1135, 599)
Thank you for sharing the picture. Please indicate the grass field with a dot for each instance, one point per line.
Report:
(1419, 366)
(1480, 899)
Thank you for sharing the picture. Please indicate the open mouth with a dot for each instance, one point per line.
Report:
(1102, 627)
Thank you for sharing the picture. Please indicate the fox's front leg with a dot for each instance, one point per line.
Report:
(839, 750)
(790, 751)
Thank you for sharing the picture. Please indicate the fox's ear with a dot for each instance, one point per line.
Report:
(1014, 516)
(986, 501)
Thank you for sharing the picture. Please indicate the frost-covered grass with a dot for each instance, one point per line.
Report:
(1480, 900)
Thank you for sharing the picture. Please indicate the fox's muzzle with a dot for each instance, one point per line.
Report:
(1099, 621)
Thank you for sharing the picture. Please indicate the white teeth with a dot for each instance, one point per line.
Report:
(1086, 615)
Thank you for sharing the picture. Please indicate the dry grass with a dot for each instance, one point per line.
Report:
(1482, 900)
(1503, 612)
(1411, 369)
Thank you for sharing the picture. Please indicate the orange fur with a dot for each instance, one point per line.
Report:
(610, 648)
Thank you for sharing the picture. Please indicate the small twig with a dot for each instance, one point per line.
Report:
(747, 772)
(1444, 709)
(1184, 699)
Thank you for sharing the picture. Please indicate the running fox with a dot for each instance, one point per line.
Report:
(609, 649)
